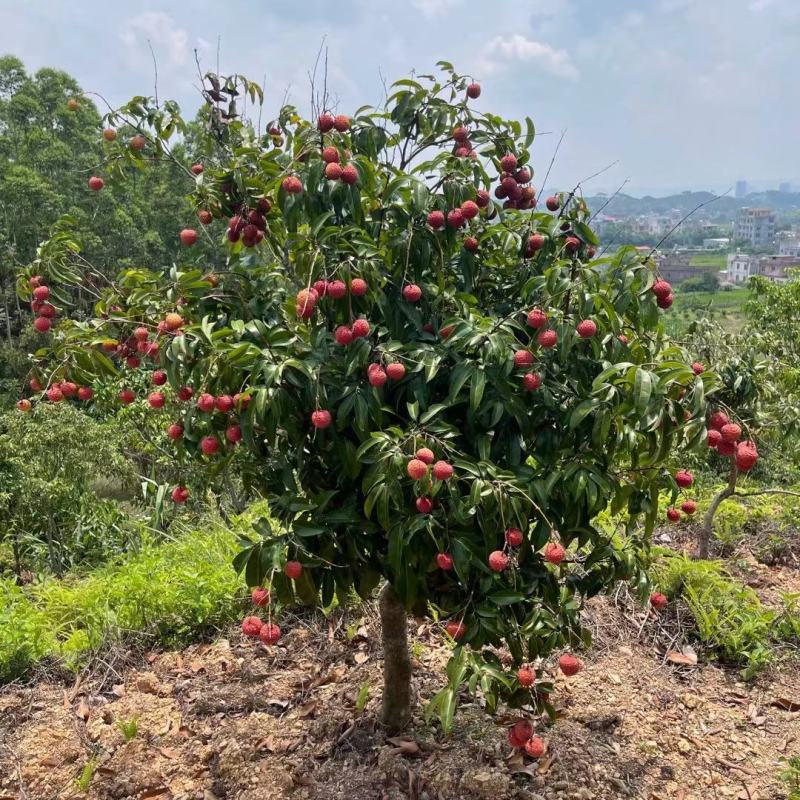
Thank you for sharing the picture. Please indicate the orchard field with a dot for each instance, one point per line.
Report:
(336, 461)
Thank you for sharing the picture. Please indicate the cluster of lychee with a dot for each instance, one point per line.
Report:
(307, 300)
(253, 626)
(457, 218)
(44, 310)
(520, 734)
(56, 392)
(249, 225)
(684, 479)
(724, 436)
(514, 189)
(663, 291)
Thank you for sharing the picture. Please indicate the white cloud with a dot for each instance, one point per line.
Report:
(161, 30)
(501, 50)
(434, 8)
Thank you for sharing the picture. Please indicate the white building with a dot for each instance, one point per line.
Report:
(741, 266)
(755, 225)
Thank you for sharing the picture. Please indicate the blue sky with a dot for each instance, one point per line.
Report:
(683, 93)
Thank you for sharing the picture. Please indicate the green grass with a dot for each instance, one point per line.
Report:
(715, 261)
(169, 594)
(724, 306)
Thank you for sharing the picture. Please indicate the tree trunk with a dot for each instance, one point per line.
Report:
(707, 530)
(396, 706)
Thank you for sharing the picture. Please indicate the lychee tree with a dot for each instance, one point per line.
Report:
(437, 392)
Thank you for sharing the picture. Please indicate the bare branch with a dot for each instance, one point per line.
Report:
(550, 167)
(621, 187)
(155, 72)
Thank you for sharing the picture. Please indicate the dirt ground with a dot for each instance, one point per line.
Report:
(233, 719)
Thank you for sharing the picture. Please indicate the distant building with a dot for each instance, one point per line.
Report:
(788, 243)
(785, 187)
(755, 226)
(742, 266)
(676, 266)
(741, 188)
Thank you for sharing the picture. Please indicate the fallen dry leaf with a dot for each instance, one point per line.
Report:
(118, 690)
(83, 710)
(406, 747)
(787, 703)
(168, 752)
(154, 791)
(686, 657)
(50, 761)
(360, 657)
(309, 709)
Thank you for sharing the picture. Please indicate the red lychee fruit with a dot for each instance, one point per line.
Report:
(85, 393)
(684, 478)
(41, 293)
(209, 445)
(96, 184)
(337, 290)
(185, 393)
(731, 432)
(133, 362)
(291, 184)
(180, 494)
(442, 471)
(68, 389)
(269, 633)
(547, 339)
(698, 368)
(412, 293)
(470, 209)
(714, 438)
(473, 91)
(658, 600)
(522, 175)
(425, 455)
(293, 570)
(534, 747)
(482, 198)
(127, 396)
(444, 561)
(531, 381)
(455, 629)
(341, 122)
(251, 626)
(175, 431)
(460, 134)
(673, 515)
(260, 596)
(718, 420)
(159, 377)
(330, 155)
(325, 122)
(376, 376)
(360, 328)
(138, 142)
(321, 287)
(140, 334)
(746, 456)
(197, 169)
(436, 219)
(537, 318)
(424, 505)
(350, 175)
(514, 537)
(358, 287)
(569, 664)
(688, 507)
(24, 405)
(205, 402)
(156, 400)
(523, 359)
(333, 172)
(623, 338)
(665, 302)
(471, 244)
(455, 218)
(35, 385)
(109, 134)
(42, 324)
(188, 237)
(526, 677)
(661, 289)
(223, 403)
(508, 163)
(306, 302)
(446, 331)
(519, 733)
(416, 469)
(233, 433)
(534, 244)
(54, 394)
(321, 419)
(586, 329)
(553, 203)
(396, 371)
(554, 553)
(343, 335)
(498, 561)
(571, 244)
(725, 448)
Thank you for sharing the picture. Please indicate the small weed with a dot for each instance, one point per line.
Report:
(417, 650)
(362, 698)
(84, 780)
(129, 728)
(790, 776)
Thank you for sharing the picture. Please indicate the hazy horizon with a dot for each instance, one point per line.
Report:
(683, 95)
